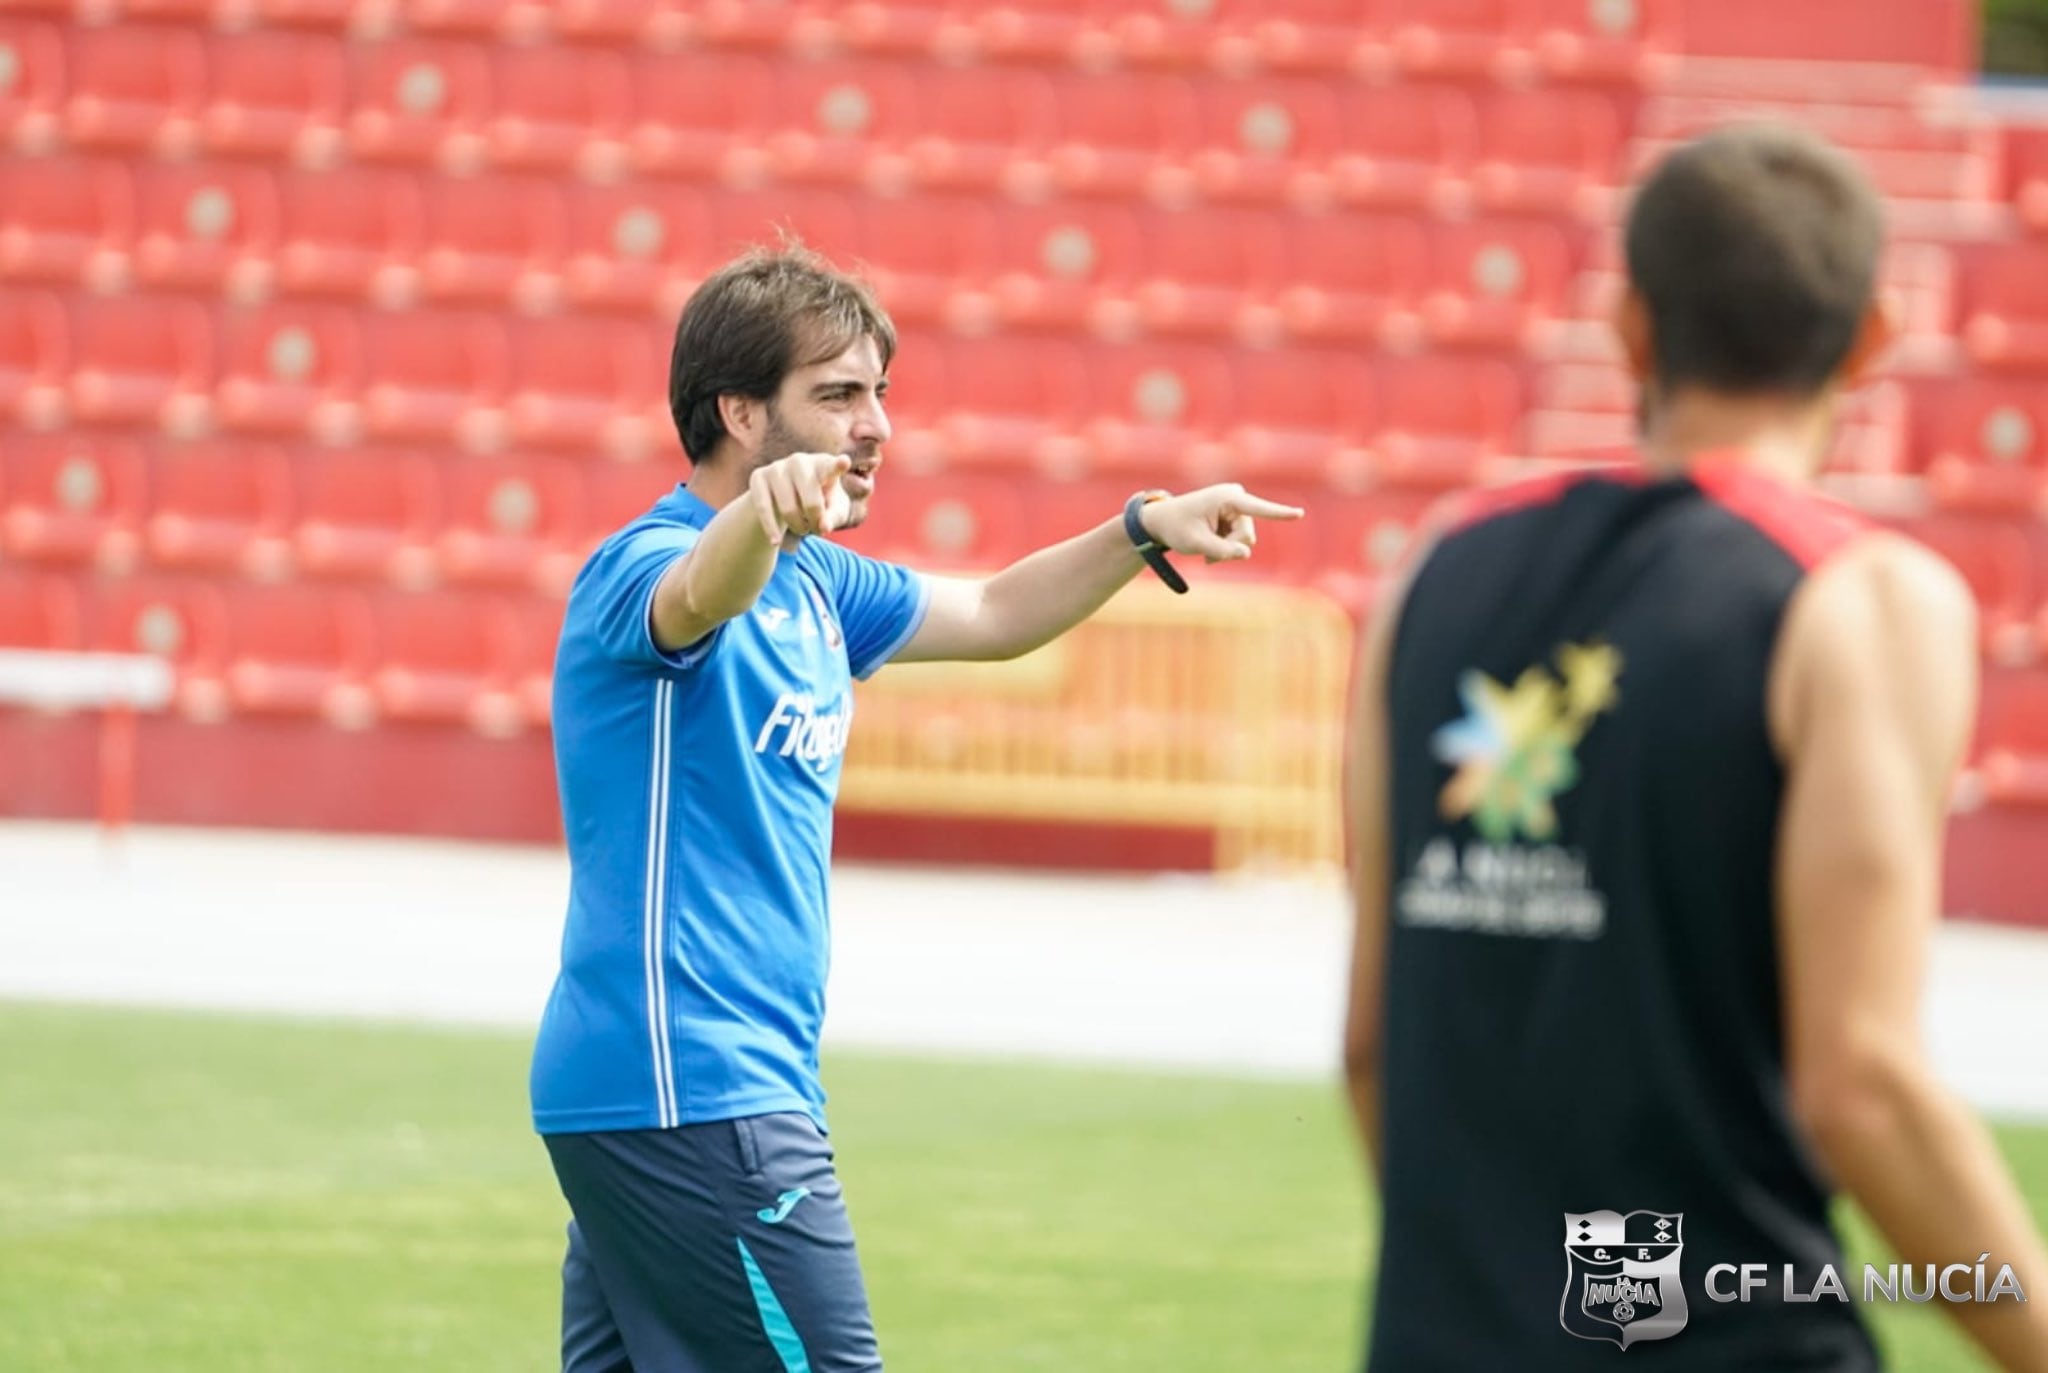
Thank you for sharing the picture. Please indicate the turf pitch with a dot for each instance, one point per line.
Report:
(207, 1192)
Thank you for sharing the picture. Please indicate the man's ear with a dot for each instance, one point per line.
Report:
(743, 417)
(1631, 323)
(1879, 330)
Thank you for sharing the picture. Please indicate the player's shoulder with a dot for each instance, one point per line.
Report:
(1896, 579)
(1883, 602)
(828, 558)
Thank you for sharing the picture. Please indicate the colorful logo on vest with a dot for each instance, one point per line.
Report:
(1621, 1276)
(1514, 749)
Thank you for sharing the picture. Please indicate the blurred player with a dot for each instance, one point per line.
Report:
(1647, 784)
(702, 703)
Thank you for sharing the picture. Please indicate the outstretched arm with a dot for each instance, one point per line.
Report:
(1043, 595)
(1871, 705)
(735, 556)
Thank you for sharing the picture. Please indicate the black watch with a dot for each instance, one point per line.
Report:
(1153, 552)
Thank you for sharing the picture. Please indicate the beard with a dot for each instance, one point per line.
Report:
(781, 440)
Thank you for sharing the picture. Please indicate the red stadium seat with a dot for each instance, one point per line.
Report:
(973, 122)
(537, 632)
(1053, 261)
(617, 493)
(330, 15)
(32, 100)
(2006, 306)
(619, 23)
(1011, 398)
(1547, 152)
(488, 241)
(353, 234)
(954, 521)
(1457, 39)
(740, 220)
(1406, 147)
(2014, 713)
(579, 384)
(1203, 269)
(1989, 445)
(559, 109)
(71, 499)
(1256, 135)
(66, 220)
(1165, 37)
(1152, 403)
(1952, 161)
(1049, 511)
(1494, 283)
(2027, 173)
(1922, 280)
(1337, 36)
(38, 611)
(893, 28)
(918, 395)
(35, 338)
(432, 378)
(289, 370)
(1444, 417)
(1365, 538)
(630, 248)
(512, 522)
(195, 225)
(134, 89)
(366, 514)
(1302, 417)
(1030, 30)
(921, 253)
(1627, 45)
(463, 18)
(181, 620)
(1114, 129)
(446, 658)
(139, 362)
(298, 650)
(266, 91)
(1357, 279)
(693, 112)
(418, 102)
(835, 115)
(759, 24)
(219, 509)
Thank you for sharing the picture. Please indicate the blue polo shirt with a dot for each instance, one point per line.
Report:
(697, 792)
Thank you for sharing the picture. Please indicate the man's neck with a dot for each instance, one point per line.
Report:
(1788, 439)
(717, 481)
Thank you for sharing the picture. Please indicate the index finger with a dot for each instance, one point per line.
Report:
(1266, 510)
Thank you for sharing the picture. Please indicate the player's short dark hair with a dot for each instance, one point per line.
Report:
(752, 323)
(1755, 249)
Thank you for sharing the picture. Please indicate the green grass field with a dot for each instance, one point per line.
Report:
(198, 1192)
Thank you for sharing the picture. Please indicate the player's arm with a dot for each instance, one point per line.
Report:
(1367, 775)
(1043, 595)
(722, 576)
(1872, 700)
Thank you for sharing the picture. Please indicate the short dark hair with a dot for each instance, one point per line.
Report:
(1755, 249)
(752, 323)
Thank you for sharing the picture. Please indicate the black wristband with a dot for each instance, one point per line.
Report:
(1152, 552)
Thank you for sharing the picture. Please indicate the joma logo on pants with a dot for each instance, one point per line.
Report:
(803, 733)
